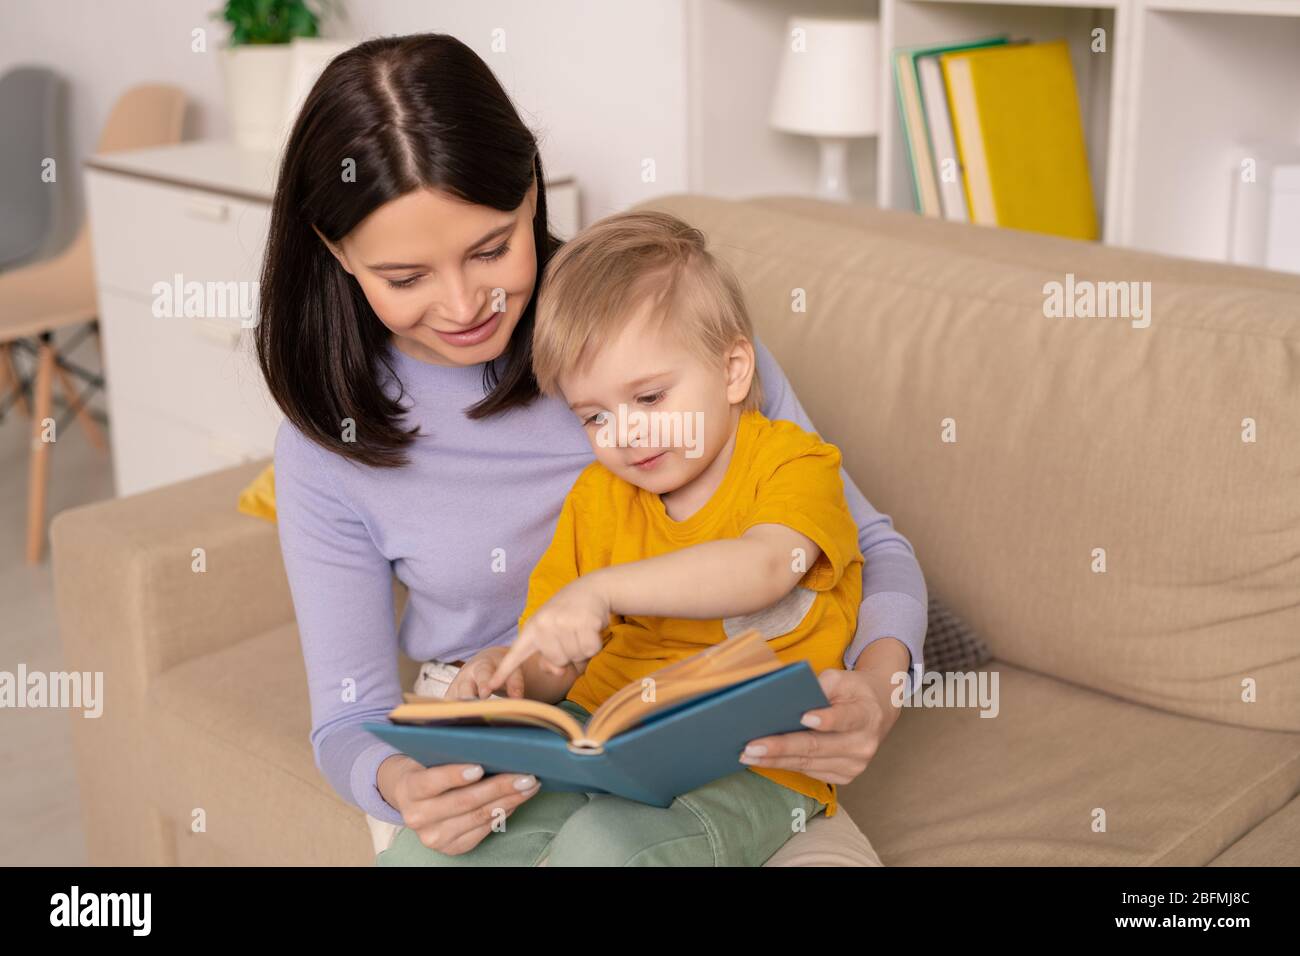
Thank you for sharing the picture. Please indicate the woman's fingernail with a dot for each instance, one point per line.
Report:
(472, 773)
(746, 758)
(810, 720)
(523, 783)
(755, 750)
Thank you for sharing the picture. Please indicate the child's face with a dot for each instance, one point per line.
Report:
(676, 412)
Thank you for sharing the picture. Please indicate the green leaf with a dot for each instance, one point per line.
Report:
(268, 21)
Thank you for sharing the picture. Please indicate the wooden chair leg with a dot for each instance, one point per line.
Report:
(38, 476)
(9, 372)
(88, 424)
(7, 378)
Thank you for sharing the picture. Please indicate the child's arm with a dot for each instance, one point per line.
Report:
(715, 579)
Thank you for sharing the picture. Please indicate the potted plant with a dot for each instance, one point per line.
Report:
(256, 65)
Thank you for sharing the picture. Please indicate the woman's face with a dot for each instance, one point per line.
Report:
(450, 279)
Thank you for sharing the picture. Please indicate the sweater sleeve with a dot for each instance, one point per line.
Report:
(342, 592)
(894, 598)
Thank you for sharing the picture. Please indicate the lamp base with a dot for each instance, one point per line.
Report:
(833, 176)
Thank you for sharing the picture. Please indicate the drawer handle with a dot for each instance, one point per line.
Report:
(207, 209)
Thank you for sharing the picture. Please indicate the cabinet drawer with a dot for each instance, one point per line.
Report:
(199, 372)
(146, 232)
(151, 450)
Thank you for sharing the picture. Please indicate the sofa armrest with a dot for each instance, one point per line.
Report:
(130, 605)
(131, 585)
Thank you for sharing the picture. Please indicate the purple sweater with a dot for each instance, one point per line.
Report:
(462, 527)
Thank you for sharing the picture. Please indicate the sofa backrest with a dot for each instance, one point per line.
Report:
(1169, 452)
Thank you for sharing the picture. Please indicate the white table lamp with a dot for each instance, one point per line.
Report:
(829, 87)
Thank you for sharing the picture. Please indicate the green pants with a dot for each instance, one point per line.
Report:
(737, 820)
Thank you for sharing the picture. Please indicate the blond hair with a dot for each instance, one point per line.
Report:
(595, 282)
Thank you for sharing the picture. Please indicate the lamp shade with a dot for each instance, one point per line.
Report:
(829, 80)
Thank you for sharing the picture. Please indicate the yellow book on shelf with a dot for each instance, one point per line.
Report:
(1015, 115)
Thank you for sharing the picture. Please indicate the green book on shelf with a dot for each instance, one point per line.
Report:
(911, 110)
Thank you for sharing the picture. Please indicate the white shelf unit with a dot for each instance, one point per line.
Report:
(1208, 85)
(1097, 78)
(1182, 87)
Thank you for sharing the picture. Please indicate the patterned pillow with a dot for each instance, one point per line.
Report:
(950, 644)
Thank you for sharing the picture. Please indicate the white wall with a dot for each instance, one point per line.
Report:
(735, 48)
(603, 84)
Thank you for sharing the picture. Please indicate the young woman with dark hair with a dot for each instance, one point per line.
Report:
(408, 235)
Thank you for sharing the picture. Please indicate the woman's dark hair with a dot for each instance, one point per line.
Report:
(410, 112)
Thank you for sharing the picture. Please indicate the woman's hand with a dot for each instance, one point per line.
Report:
(565, 630)
(845, 735)
(451, 807)
(471, 682)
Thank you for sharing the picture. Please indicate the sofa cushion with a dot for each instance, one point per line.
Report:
(1275, 842)
(232, 738)
(1037, 250)
(1072, 435)
(949, 787)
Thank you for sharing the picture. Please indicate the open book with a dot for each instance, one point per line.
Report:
(680, 727)
(733, 661)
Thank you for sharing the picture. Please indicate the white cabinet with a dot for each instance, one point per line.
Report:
(185, 394)
(182, 401)
(148, 232)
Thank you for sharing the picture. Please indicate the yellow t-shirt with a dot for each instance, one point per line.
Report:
(778, 474)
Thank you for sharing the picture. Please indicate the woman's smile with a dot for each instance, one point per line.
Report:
(475, 334)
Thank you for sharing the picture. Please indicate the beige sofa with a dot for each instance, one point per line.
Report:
(1147, 714)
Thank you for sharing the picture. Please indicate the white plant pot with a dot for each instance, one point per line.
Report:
(256, 78)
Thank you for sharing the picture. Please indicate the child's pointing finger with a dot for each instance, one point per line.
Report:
(509, 664)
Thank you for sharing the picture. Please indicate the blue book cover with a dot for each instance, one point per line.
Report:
(684, 746)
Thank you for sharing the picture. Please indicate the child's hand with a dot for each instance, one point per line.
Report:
(565, 630)
(471, 682)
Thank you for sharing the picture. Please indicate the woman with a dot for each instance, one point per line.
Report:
(408, 235)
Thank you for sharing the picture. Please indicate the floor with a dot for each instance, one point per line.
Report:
(40, 815)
